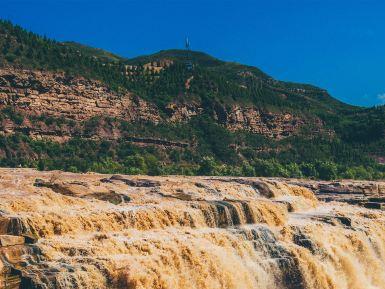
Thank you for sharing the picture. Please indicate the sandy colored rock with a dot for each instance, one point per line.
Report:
(77, 98)
(9, 240)
(58, 95)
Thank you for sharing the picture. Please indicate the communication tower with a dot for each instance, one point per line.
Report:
(189, 63)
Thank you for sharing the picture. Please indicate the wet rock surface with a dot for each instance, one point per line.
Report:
(368, 194)
(64, 230)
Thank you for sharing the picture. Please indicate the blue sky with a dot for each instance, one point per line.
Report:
(338, 45)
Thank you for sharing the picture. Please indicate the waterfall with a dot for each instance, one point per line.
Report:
(184, 232)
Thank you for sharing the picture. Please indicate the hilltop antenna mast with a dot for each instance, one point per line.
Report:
(189, 64)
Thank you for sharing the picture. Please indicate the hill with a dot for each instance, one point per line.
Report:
(73, 107)
(98, 53)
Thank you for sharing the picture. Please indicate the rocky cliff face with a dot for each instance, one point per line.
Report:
(36, 92)
(62, 230)
(270, 124)
(56, 95)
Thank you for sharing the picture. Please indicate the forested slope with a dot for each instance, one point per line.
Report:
(73, 107)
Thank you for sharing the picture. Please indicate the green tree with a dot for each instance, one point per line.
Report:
(209, 167)
(247, 169)
(327, 170)
(135, 165)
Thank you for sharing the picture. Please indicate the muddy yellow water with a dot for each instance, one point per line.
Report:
(99, 231)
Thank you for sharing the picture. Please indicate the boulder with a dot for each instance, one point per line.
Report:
(9, 240)
(374, 205)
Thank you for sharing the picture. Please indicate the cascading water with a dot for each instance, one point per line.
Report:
(95, 231)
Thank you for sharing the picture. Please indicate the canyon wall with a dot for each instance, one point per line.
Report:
(64, 230)
(57, 95)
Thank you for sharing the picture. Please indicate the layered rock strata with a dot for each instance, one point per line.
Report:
(368, 194)
(57, 95)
